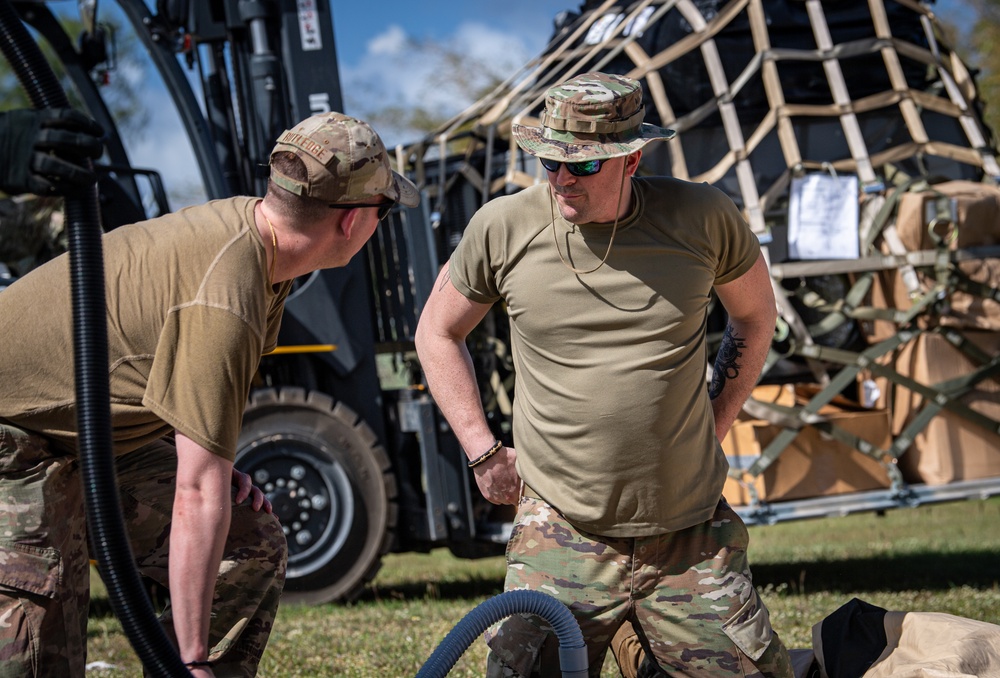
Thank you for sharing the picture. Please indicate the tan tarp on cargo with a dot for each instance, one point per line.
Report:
(924, 644)
(860, 640)
(894, 644)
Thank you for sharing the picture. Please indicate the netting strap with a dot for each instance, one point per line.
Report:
(907, 108)
(841, 97)
(853, 364)
(969, 123)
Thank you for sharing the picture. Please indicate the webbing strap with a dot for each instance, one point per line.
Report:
(442, 174)
(826, 394)
(727, 109)
(491, 132)
(904, 439)
(969, 124)
(584, 60)
(693, 40)
(841, 96)
(658, 92)
(885, 226)
(579, 60)
(856, 442)
(962, 343)
(878, 262)
(888, 209)
(839, 311)
(593, 126)
(962, 283)
(911, 116)
(780, 415)
(524, 90)
(629, 44)
(793, 420)
(959, 385)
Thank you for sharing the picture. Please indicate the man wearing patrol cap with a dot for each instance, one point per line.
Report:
(618, 471)
(194, 299)
(345, 161)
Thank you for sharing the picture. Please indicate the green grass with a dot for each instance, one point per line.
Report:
(935, 558)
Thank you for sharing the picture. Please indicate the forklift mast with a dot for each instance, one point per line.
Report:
(282, 61)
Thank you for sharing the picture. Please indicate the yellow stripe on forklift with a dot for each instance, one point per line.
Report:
(305, 348)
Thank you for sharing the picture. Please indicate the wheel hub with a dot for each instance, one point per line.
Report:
(310, 494)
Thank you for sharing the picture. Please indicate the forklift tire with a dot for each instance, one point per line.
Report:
(331, 486)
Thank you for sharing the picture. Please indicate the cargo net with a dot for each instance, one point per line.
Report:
(810, 115)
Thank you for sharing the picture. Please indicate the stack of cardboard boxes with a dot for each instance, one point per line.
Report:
(813, 464)
(951, 447)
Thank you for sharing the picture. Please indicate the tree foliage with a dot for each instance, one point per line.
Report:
(120, 86)
(985, 44)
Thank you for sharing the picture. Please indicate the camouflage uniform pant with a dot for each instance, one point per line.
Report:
(688, 592)
(45, 566)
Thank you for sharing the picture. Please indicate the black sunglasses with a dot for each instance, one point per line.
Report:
(584, 168)
(384, 207)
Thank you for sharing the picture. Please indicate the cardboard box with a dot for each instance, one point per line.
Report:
(977, 213)
(950, 447)
(812, 465)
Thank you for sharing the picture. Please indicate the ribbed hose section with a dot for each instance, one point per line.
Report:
(90, 336)
(572, 650)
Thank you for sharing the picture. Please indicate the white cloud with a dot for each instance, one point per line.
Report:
(479, 40)
(400, 71)
(392, 41)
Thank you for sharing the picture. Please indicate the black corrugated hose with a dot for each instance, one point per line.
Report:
(572, 650)
(90, 338)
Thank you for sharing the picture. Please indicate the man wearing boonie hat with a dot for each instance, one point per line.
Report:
(194, 300)
(618, 471)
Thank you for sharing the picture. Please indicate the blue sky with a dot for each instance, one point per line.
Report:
(354, 27)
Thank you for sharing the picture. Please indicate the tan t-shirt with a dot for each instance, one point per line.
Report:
(189, 314)
(612, 420)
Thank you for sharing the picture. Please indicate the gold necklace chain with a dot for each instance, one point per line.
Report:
(614, 229)
(274, 249)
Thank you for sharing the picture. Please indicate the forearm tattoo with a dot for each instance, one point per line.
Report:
(727, 365)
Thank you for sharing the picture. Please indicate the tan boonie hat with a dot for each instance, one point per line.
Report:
(346, 162)
(589, 117)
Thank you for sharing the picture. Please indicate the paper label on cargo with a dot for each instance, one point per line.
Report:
(823, 217)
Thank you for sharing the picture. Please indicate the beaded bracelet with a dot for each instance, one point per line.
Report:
(497, 446)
